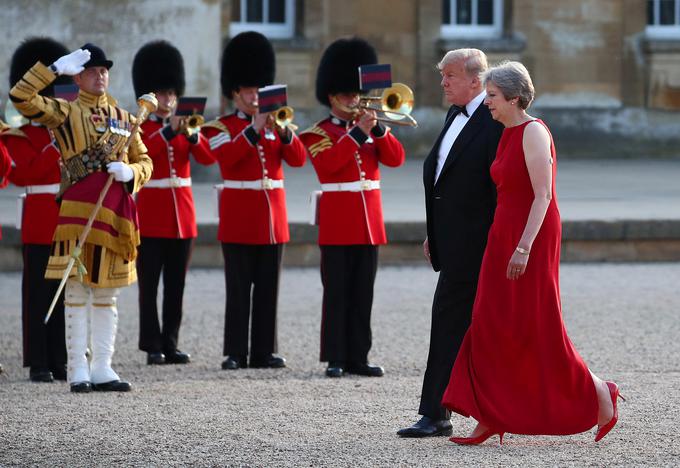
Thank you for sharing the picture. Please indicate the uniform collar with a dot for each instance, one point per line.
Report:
(155, 118)
(90, 100)
(243, 116)
(338, 121)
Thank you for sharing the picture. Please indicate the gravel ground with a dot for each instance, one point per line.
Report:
(622, 318)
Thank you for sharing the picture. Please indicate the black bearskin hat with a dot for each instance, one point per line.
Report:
(43, 49)
(338, 72)
(158, 66)
(248, 60)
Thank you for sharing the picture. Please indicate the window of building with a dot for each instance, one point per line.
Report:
(663, 18)
(472, 18)
(273, 18)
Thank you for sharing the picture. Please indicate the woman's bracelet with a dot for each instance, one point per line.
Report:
(521, 250)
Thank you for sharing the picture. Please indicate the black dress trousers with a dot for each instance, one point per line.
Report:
(44, 345)
(348, 275)
(251, 274)
(171, 258)
(451, 317)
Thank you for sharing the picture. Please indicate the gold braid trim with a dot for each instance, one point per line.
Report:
(13, 132)
(218, 125)
(320, 145)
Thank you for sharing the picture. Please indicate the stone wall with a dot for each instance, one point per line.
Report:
(121, 28)
(589, 54)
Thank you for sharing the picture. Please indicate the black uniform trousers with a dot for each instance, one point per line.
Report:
(251, 274)
(347, 274)
(44, 344)
(451, 317)
(170, 257)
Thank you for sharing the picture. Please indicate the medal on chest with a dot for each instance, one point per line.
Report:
(118, 127)
(98, 122)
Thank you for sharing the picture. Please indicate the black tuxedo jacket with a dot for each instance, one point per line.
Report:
(460, 206)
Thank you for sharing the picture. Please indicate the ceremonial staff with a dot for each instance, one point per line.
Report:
(147, 104)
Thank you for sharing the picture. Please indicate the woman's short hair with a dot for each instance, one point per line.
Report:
(474, 61)
(514, 81)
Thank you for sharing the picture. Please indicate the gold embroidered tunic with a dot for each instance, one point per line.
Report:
(89, 132)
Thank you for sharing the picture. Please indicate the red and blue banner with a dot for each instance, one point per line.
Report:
(190, 105)
(375, 76)
(272, 98)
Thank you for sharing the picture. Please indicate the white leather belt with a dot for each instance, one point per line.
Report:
(357, 186)
(48, 188)
(259, 184)
(170, 182)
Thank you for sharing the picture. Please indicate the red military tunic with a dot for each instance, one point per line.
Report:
(341, 155)
(165, 205)
(247, 215)
(5, 167)
(36, 162)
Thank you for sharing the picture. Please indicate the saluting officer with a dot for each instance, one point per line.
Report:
(36, 168)
(167, 218)
(90, 133)
(346, 149)
(253, 220)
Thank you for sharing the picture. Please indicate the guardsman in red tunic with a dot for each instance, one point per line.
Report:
(5, 167)
(346, 149)
(5, 163)
(167, 218)
(36, 168)
(253, 220)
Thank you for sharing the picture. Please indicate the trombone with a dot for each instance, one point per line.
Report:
(396, 105)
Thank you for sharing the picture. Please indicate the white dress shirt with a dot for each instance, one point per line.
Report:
(454, 130)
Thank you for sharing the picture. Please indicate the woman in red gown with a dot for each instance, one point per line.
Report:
(517, 371)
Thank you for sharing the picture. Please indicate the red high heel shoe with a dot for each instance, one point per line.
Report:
(477, 440)
(614, 393)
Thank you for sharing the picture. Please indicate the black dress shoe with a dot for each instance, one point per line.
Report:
(234, 362)
(1, 369)
(427, 427)
(59, 373)
(271, 360)
(335, 369)
(113, 386)
(360, 368)
(153, 359)
(41, 375)
(177, 357)
(81, 387)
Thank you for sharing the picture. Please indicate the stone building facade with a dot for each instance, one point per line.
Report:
(611, 66)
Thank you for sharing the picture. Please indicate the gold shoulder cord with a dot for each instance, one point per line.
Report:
(320, 145)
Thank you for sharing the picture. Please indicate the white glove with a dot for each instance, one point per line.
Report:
(71, 64)
(121, 171)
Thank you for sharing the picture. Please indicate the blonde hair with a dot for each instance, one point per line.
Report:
(474, 60)
(514, 81)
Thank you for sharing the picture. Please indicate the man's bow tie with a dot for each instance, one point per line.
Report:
(460, 110)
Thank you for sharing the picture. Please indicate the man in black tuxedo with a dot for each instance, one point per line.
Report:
(460, 199)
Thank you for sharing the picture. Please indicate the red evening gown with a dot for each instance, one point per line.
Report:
(517, 370)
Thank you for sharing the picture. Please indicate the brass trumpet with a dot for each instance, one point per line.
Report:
(396, 104)
(283, 117)
(191, 125)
